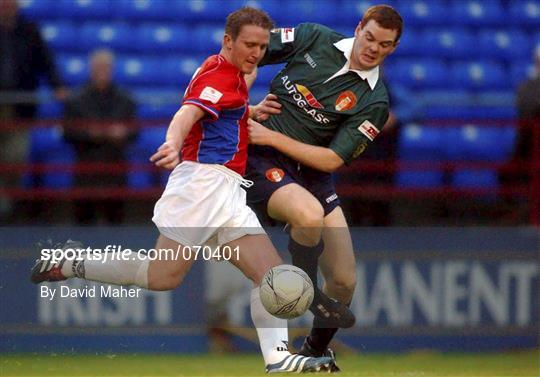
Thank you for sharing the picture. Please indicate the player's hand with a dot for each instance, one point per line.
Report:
(167, 156)
(259, 134)
(268, 106)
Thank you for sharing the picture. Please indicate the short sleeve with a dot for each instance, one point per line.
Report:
(211, 89)
(286, 42)
(358, 131)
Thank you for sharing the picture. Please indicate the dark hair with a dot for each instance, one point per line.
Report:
(386, 16)
(247, 16)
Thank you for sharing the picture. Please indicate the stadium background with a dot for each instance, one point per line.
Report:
(453, 80)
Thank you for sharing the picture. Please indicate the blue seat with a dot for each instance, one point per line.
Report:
(525, 12)
(475, 178)
(116, 36)
(50, 110)
(479, 75)
(39, 9)
(178, 70)
(419, 179)
(73, 69)
(133, 70)
(351, 11)
(424, 145)
(206, 39)
(202, 10)
(274, 8)
(61, 36)
(422, 12)
(448, 43)
(143, 10)
(48, 146)
(504, 44)
(295, 12)
(427, 73)
(146, 143)
(521, 70)
(409, 45)
(478, 12)
(479, 143)
(156, 38)
(85, 9)
(472, 143)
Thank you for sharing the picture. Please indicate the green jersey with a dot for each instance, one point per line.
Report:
(323, 102)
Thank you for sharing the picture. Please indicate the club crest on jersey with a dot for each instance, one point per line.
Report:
(275, 175)
(310, 98)
(346, 101)
(368, 129)
(287, 35)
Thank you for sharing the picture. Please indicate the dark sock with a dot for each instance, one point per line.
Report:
(319, 338)
(306, 257)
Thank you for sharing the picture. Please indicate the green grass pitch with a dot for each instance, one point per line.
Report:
(523, 363)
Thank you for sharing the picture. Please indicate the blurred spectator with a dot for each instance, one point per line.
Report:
(98, 122)
(528, 109)
(24, 59)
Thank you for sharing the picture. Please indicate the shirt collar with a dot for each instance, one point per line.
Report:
(346, 45)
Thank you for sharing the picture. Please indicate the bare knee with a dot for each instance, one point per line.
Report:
(165, 282)
(307, 223)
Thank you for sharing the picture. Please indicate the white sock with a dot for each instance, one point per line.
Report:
(121, 272)
(272, 331)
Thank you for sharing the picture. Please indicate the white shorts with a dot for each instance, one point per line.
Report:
(204, 204)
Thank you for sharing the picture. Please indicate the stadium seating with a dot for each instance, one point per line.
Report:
(505, 44)
(40, 9)
(47, 146)
(525, 12)
(420, 144)
(447, 43)
(521, 71)
(476, 75)
(478, 12)
(457, 59)
(473, 143)
(61, 35)
(162, 38)
(147, 142)
(85, 9)
(134, 70)
(423, 12)
(428, 73)
(116, 36)
(73, 68)
(309, 11)
(142, 10)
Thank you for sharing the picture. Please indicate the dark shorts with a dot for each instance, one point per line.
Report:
(269, 170)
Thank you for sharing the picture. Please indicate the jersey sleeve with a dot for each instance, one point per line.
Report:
(286, 42)
(210, 91)
(358, 131)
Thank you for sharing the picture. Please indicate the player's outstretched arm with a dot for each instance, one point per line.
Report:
(316, 157)
(168, 154)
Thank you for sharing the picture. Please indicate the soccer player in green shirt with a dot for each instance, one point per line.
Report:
(332, 105)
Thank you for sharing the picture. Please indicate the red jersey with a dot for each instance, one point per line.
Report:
(221, 137)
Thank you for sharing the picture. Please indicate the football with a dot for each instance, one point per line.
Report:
(286, 291)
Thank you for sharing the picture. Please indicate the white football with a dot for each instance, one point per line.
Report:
(286, 291)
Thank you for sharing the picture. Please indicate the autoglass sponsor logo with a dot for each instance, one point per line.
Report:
(305, 100)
